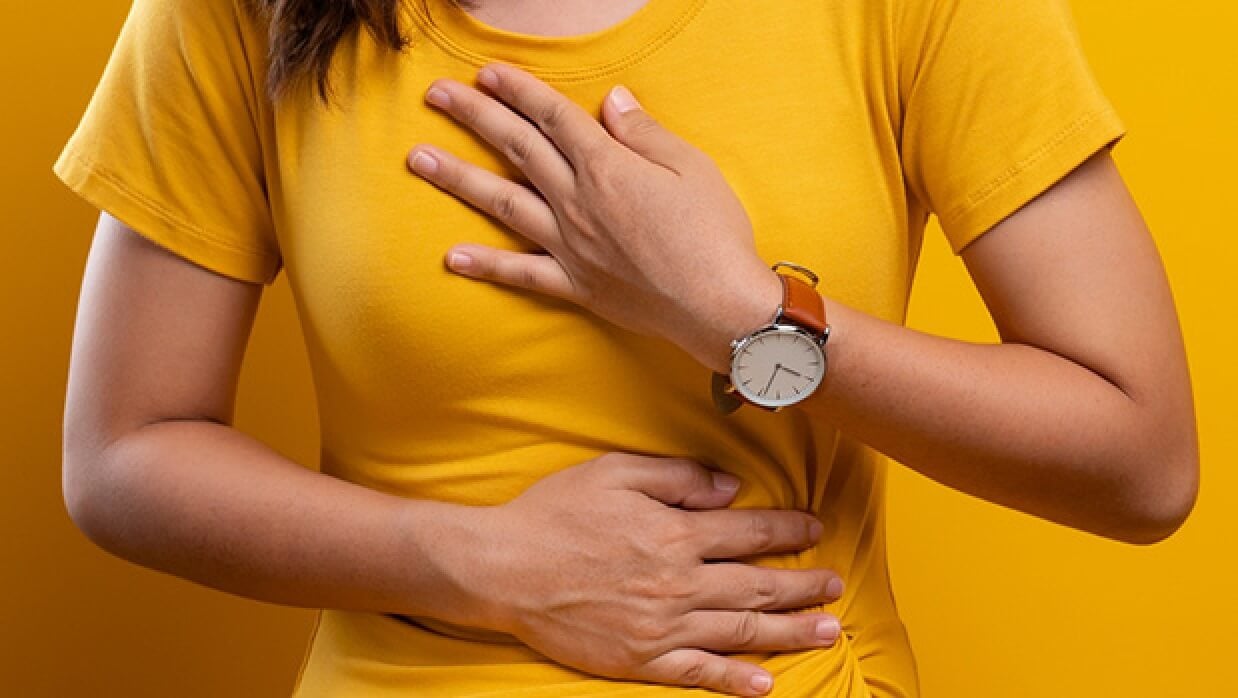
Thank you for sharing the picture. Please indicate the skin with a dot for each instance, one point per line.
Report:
(551, 17)
(1082, 415)
(155, 473)
(1062, 420)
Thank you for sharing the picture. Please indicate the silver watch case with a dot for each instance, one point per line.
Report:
(816, 341)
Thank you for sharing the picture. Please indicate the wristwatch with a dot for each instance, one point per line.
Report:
(783, 362)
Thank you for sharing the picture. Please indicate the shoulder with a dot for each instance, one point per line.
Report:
(211, 39)
(199, 11)
(219, 21)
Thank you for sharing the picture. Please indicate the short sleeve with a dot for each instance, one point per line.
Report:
(999, 103)
(170, 142)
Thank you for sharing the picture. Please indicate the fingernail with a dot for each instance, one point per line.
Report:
(834, 588)
(762, 683)
(424, 164)
(459, 261)
(488, 78)
(815, 529)
(438, 98)
(828, 629)
(623, 99)
(725, 482)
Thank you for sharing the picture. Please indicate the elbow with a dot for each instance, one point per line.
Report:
(80, 499)
(1162, 502)
(1159, 520)
(92, 493)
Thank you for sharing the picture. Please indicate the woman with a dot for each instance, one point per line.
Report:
(527, 489)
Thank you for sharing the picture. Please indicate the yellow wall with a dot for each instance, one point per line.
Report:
(998, 604)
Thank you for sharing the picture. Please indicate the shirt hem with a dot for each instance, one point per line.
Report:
(106, 191)
(1032, 176)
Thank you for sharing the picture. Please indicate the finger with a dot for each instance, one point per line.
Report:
(532, 272)
(632, 126)
(734, 533)
(752, 631)
(517, 139)
(573, 130)
(739, 587)
(673, 481)
(511, 203)
(697, 669)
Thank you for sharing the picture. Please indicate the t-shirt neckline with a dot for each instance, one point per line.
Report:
(562, 58)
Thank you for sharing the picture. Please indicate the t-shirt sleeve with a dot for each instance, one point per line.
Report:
(999, 104)
(170, 143)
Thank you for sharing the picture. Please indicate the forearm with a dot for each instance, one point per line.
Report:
(1010, 423)
(206, 502)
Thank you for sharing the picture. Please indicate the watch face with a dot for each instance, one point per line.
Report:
(778, 366)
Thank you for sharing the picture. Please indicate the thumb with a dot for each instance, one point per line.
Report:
(632, 126)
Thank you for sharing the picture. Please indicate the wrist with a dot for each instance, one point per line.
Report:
(449, 544)
(741, 306)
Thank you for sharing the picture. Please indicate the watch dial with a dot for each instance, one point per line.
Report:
(778, 367)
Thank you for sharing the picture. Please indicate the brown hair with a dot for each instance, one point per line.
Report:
(304, 34)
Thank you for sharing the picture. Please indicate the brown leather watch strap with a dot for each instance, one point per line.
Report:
(802, 304)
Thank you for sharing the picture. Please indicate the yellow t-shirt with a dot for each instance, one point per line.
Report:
(841, 125)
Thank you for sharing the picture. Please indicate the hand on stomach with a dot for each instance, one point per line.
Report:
(631, 567)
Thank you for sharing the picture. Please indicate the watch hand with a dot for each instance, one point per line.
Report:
(791, 371)
(771, 380)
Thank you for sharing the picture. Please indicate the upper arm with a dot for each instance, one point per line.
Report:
(174, 143)
(1005, 137)
(1076, 272)
(156, 338)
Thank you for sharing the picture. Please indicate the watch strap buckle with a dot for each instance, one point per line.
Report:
(807, 273)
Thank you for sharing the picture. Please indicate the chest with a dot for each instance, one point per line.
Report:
(797, 121)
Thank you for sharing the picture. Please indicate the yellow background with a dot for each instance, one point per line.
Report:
(998, 604)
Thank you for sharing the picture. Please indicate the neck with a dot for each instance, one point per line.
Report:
(552, 17)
